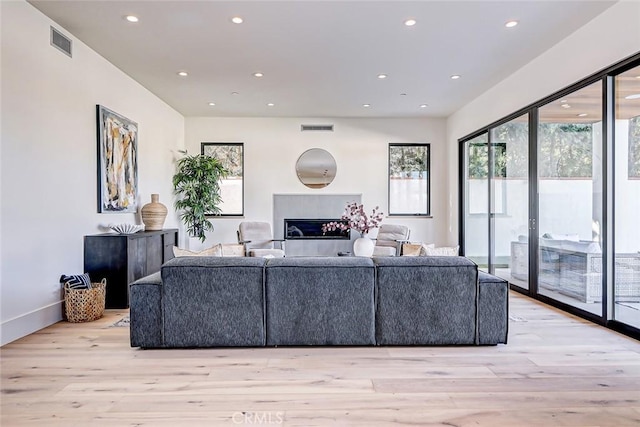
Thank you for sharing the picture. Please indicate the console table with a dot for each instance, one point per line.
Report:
(124, 258)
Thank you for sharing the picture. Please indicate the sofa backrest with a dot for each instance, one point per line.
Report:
(426, 300)
(213, 301)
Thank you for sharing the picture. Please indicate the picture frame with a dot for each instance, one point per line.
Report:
(117, 138)
(231, 154)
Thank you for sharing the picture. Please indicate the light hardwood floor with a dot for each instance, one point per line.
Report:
(557, 370)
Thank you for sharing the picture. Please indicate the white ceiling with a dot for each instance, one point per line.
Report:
(320, 58)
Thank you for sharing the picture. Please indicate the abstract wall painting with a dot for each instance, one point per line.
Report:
(117, 162)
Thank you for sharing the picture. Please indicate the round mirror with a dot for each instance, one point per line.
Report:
(316, 168)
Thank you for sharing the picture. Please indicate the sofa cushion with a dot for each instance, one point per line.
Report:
(493, 309)
(145, 311)
(442, 251)
(411, 249)
(384, 251)
(213, 301)
(320, 301)
(212, 251)
(426, 300)
(232, 249)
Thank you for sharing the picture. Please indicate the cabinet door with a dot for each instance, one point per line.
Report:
(137, 259)
(154, 254)
(169, 241)
(105, 257)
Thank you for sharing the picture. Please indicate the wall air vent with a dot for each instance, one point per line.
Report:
(326, 128)
(60, 41)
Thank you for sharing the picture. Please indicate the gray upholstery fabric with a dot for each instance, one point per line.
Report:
(145, 311)
(320, 301)
(493, 309)
(217, 301)
(426, 300)
(213, 301)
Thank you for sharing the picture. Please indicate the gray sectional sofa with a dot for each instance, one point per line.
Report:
(222, 302)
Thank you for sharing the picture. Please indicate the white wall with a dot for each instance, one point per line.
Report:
(48, 161)
(359, 146)
(608, 38)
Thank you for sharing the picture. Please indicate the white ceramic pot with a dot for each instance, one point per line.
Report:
(363, 246)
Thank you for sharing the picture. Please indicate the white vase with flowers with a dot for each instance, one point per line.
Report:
(356, 218)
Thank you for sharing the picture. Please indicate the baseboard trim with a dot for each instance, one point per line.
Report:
(28, 323)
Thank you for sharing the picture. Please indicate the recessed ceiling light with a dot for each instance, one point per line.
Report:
(211, 104)
(566, 106)
(131, 18)
(511, 24)
(235, 93)
(410, 22)
(423, 105)
(271, 104)
(382, 76)
(183, 73)
(455, 77)
(582, 115)
(366, 105)
(563, 101)
(258, 74)
(237, 20)
(637, 77)
(634, 96)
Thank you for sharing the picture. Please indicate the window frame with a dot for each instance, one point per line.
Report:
(203, 149)
(427, 146)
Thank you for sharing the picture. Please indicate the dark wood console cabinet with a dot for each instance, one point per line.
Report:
(124, 258)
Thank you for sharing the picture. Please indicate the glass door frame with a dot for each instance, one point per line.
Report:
(607, 76)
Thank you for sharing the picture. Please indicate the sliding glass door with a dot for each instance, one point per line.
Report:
(476, 204)
(496, 208)
(550, 198)
(509, 201)
(569, 152)
(626, 286)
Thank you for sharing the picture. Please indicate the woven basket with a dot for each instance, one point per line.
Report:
(85, 305)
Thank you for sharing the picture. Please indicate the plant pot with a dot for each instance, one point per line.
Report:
(153, 214)
(363, 246)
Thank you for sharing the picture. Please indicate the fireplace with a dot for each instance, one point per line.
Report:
(311, 229)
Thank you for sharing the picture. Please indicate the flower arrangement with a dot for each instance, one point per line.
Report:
(357, 219)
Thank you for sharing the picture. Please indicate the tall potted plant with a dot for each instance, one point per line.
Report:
(197, 185)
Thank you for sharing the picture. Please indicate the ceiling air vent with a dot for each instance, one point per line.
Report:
(326, 128)
(60, 42)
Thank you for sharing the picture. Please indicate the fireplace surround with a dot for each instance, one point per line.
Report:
(306, 228)
(316, 207)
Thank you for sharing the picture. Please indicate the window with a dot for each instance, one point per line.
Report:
(409, 182)
(232, 187)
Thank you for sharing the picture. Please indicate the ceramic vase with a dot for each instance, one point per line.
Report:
(153, 214)
(363, 246)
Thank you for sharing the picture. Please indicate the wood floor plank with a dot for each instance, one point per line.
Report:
(557, 370)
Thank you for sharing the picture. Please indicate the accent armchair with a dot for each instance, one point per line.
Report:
(258, 240)
(390, 240)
